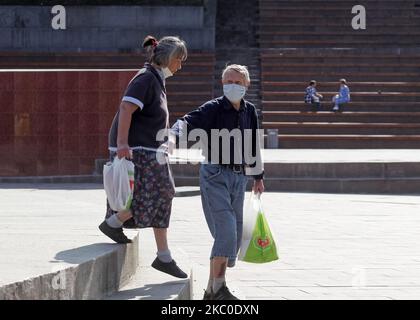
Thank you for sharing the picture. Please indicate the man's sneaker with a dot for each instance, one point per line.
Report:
(207, 295)
(115, 234)
(224, 294)
(336, 108)
(169, 268)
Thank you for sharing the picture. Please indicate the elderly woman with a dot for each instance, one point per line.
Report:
(142, 114)
(224, 176)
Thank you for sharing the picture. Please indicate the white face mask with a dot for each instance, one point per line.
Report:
(234, 92)
(167, 73)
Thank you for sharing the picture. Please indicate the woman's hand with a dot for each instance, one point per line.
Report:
(124, 151)
(258, 186)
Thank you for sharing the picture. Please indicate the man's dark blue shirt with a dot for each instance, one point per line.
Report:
(220, 114)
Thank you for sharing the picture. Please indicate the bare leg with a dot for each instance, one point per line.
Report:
(161, 237)
(164, 261)
(211, 277)
(219, 267)
(210, 283)
(219, 273)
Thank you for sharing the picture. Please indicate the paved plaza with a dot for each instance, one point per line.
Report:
(330, 246)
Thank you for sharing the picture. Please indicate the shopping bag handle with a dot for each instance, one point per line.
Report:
(256, 196)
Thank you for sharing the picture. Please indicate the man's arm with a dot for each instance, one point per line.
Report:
(201, 118)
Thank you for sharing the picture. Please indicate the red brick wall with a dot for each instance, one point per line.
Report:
(56, 122)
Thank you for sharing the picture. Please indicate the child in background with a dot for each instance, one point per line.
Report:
(342, 97)
(313, 97)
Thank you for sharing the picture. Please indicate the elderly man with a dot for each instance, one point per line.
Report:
(223, 174)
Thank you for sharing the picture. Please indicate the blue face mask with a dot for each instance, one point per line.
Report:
(234, 92)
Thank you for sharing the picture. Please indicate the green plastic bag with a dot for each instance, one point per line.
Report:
(258, 244)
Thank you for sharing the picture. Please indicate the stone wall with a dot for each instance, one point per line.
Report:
(104, 28)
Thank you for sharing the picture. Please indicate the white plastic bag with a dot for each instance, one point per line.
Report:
(119, 183)
(252, 207)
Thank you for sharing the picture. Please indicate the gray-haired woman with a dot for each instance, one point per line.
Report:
(143, 113)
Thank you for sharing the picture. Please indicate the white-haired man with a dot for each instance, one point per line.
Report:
(224, 173)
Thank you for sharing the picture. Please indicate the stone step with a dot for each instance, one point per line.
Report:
(355, 86)
(85, 179)
(280, 32)
(351, 107)
(334, 9)
(335, 75)
(338, 38)
(343, 117)
(339, 13)
(332, 3)
(346, 186)
(150, 284)
(324, 172)
(329, 63)
(344, 128)
(352, 141)
(334, 186)
(355, 96)
(295, 25)
(344, 18)
(355, 43)
(90, 272)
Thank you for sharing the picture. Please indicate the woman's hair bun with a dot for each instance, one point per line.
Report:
(149, 41)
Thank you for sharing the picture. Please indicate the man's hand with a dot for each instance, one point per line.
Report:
(258, 186)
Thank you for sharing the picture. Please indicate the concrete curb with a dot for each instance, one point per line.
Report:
(182, 191)
(150, 284)
(188, 191)
(90, 280)
(54, 179)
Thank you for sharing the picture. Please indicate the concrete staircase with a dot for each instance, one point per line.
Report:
(89, 273)
(320, 171)
(236, 44)
(150, 284)
(381, 64)
(66, 257)
(321, 24)
(383, 113)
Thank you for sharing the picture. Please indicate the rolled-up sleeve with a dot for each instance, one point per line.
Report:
(201, 118)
